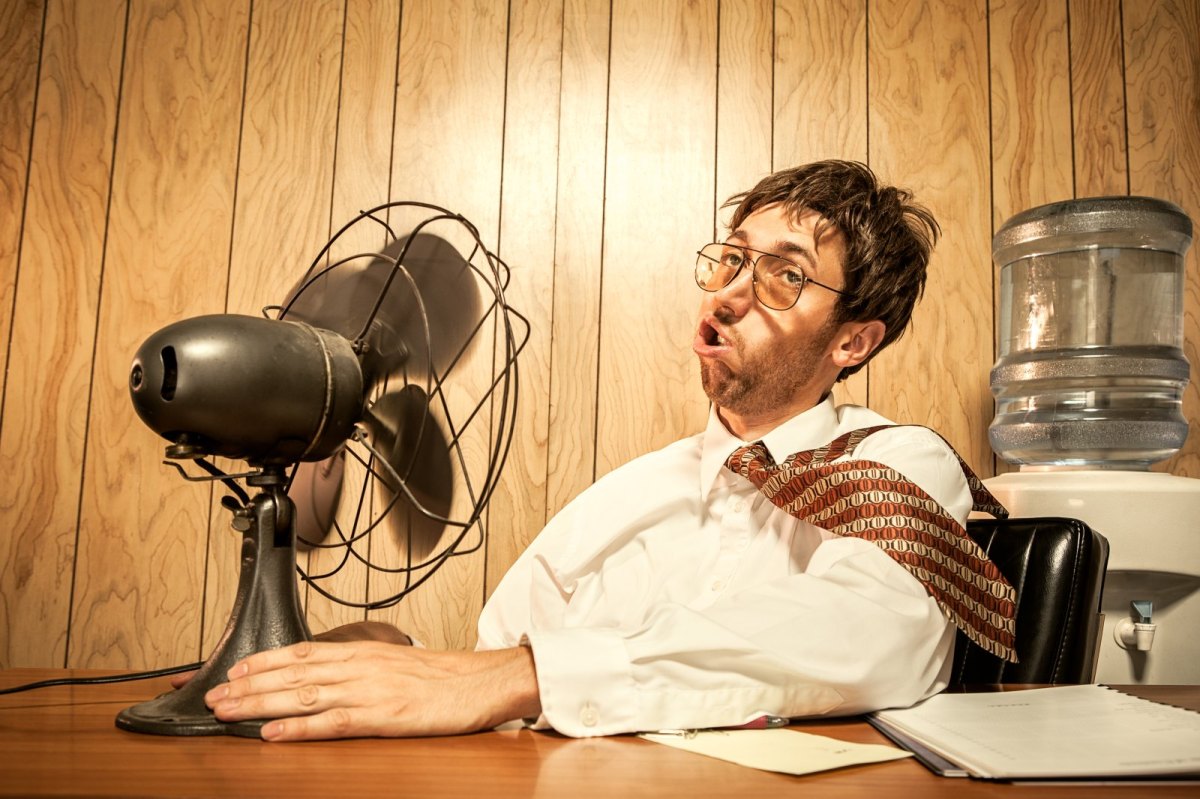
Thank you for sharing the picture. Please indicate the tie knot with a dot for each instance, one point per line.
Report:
(748, 458)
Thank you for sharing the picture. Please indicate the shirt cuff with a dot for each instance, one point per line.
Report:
(584, 680)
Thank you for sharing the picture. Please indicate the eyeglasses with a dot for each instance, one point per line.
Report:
(777, 281)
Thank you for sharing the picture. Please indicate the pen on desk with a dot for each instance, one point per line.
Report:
(760, 723)
(763, 723)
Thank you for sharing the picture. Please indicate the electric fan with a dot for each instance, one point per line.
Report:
(361, 367)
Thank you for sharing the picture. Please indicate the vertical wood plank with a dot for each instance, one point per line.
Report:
(578, 251)
(285, 175)
(284, 186)
(141, 540)
(1098, 98)
(1031, 106)
(745, 101)
(660, 184)
(448, 151)
(21, 41)
(821, 100)
(1162, 76)
(820, 81)
(363, 174)
(1031, 116)
(53, 321)
(518, 509)
(929, 132)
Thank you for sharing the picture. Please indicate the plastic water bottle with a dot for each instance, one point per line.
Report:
(1091, 370)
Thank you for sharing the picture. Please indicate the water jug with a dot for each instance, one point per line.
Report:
(1091, 368)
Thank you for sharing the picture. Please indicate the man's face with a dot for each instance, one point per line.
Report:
(756, 362)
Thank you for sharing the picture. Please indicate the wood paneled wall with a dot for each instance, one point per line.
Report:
(166, 158)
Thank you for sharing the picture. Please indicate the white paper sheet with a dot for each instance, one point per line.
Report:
(783, 750)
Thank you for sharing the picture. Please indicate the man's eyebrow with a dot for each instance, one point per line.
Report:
(786, 247)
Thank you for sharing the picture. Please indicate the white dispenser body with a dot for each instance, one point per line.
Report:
(1152, 523)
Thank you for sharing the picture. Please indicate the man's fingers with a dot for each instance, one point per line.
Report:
(305, 652)
(338, 722)
(290, 677)
(304, 700)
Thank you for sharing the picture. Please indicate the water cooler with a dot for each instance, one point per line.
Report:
(1089, 388)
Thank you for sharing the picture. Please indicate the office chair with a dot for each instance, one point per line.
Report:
(1056, 567)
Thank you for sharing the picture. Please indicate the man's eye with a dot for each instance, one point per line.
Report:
(794, 276)
(784, 271)
(732, 258)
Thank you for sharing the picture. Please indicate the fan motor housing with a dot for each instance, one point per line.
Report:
(261, 390)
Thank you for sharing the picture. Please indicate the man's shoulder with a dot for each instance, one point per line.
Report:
(917, 452)
(923, 439)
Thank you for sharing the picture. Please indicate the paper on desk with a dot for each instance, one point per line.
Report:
(1078, 731)
(782, 750)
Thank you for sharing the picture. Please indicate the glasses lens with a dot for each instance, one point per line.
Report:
(777, 282)
(716, 265)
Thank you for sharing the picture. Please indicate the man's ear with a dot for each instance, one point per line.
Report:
(856, 341)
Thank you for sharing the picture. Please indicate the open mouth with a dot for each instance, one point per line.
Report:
(710, 336)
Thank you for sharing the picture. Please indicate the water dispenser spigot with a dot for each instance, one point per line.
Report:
(1143, 609)
(1138, 634)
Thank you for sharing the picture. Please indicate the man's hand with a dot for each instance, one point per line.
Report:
(355, 631)
(320, 690)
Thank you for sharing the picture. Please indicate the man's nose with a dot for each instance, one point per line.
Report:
(738, 294)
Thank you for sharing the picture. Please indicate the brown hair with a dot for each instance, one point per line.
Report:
(888, 237)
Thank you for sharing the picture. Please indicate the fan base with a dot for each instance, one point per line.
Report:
(266, 615)
(183, 712)
(162, 717)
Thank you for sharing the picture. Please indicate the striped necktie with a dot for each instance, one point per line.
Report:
(868, 500)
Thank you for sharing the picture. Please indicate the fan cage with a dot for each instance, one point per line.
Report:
(495, 409)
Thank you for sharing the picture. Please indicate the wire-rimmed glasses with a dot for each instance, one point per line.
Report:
(777, 281)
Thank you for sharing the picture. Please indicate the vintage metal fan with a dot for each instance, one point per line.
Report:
(362, 367)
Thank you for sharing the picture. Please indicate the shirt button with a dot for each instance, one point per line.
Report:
(739, 506)
(589, 716)
(718, 585)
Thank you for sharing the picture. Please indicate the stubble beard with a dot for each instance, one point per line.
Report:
(768, 379)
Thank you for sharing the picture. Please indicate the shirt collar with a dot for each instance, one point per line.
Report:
(807, 430)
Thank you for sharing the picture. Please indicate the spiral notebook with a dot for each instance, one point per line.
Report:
(1064, 732)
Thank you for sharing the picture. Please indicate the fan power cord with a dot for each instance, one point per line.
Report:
(137, 675)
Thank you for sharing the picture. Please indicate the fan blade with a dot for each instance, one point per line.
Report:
(315, 490)
(343, 299)
(410, 439)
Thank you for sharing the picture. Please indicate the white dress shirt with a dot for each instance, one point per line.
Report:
(673, 594)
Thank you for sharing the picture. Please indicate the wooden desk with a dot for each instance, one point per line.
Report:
(61, 742)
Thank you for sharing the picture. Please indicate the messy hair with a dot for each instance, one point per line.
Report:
(888, 237)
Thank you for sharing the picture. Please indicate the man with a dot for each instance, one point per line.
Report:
(675, 593)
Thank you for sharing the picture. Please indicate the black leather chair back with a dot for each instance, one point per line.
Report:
(1057, 568)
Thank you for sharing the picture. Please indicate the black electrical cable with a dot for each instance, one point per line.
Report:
(137, 675)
